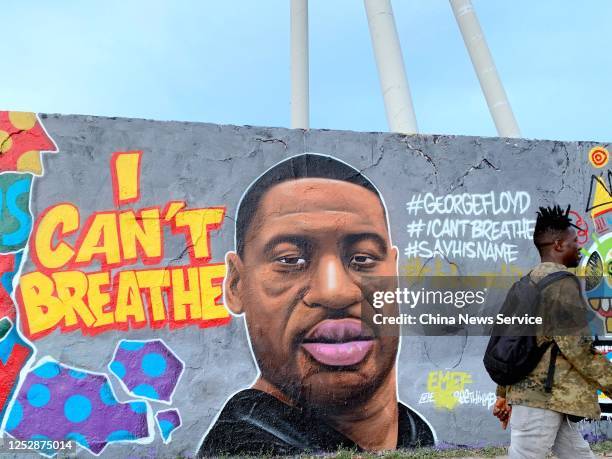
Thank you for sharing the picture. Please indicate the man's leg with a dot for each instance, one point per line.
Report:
(569, 443)
(532, 432)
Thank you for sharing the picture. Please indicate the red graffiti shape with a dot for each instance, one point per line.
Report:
(583, 231)
(22, 138)
(10, 371)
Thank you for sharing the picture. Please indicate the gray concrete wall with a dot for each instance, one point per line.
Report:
(209, 165)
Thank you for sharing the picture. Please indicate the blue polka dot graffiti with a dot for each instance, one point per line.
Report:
(82, 406)
(147, 369)
(168, 421)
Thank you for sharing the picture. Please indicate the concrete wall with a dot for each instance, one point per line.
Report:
(190, 365)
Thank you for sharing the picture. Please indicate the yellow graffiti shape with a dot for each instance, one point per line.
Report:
(598, 156)
(444, 385)
(415, 267)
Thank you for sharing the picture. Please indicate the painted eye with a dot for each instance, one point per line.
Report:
(292, 261)
(594, 271)
(362, 261)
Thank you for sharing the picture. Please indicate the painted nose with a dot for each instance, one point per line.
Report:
(331, 285)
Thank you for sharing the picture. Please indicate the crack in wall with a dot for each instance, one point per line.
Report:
(424, 155)
(452, 263)
(484, 163)
(567, 164)
(425, 342)
(188, 246)
(463, 338)
(9, 137)
(378, 160)
(251, 154)
(272, 140)
(180, 256)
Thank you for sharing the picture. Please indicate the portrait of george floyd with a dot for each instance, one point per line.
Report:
(309, 233)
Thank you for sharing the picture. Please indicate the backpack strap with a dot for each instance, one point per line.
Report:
(545, 282)
(551, 368)
(554, 277)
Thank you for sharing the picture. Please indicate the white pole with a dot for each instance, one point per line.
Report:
(300, 106)
(491, 84)
(390, 64)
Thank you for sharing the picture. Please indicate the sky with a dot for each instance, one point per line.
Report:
(227, 62)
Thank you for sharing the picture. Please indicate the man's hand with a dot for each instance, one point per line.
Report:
(502, 411)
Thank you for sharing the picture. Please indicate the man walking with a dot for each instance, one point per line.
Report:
(542, 420)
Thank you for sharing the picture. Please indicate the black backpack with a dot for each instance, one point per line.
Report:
(508, 359)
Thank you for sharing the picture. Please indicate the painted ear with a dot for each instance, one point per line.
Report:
(395, 253)
(232, 283)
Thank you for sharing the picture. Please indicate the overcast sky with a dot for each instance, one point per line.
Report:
(228, 62)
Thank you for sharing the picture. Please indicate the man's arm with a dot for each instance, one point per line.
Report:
(594, 367)
(577, 347)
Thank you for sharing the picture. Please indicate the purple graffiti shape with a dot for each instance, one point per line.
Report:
(147, 369)
(168, 421)
(57, 402)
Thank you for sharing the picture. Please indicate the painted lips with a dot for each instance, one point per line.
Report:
(339, 342)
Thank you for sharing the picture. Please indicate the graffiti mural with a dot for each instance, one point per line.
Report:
(501, 218)
(168, 421)
(598, 256)
(81, 405)
(58, 295)
(447, 389)
(599, 156)
(9, 265)
(22, 140)
(289, 256)
(147, 369)
(187, 289)
(14, 354)
(16, 219)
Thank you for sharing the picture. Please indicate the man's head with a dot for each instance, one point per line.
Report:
(309, 233)
(555, 236)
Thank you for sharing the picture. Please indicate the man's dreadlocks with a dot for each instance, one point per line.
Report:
(551, 223)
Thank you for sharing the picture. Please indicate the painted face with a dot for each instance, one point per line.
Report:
(597, 268)
(308, 252)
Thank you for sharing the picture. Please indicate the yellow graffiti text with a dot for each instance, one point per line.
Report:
(119, 238)
(444, 386)
(94, 302)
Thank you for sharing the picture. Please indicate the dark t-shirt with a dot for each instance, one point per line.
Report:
(254, 422)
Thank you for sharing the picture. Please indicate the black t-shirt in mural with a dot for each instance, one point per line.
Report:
(254, 422)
